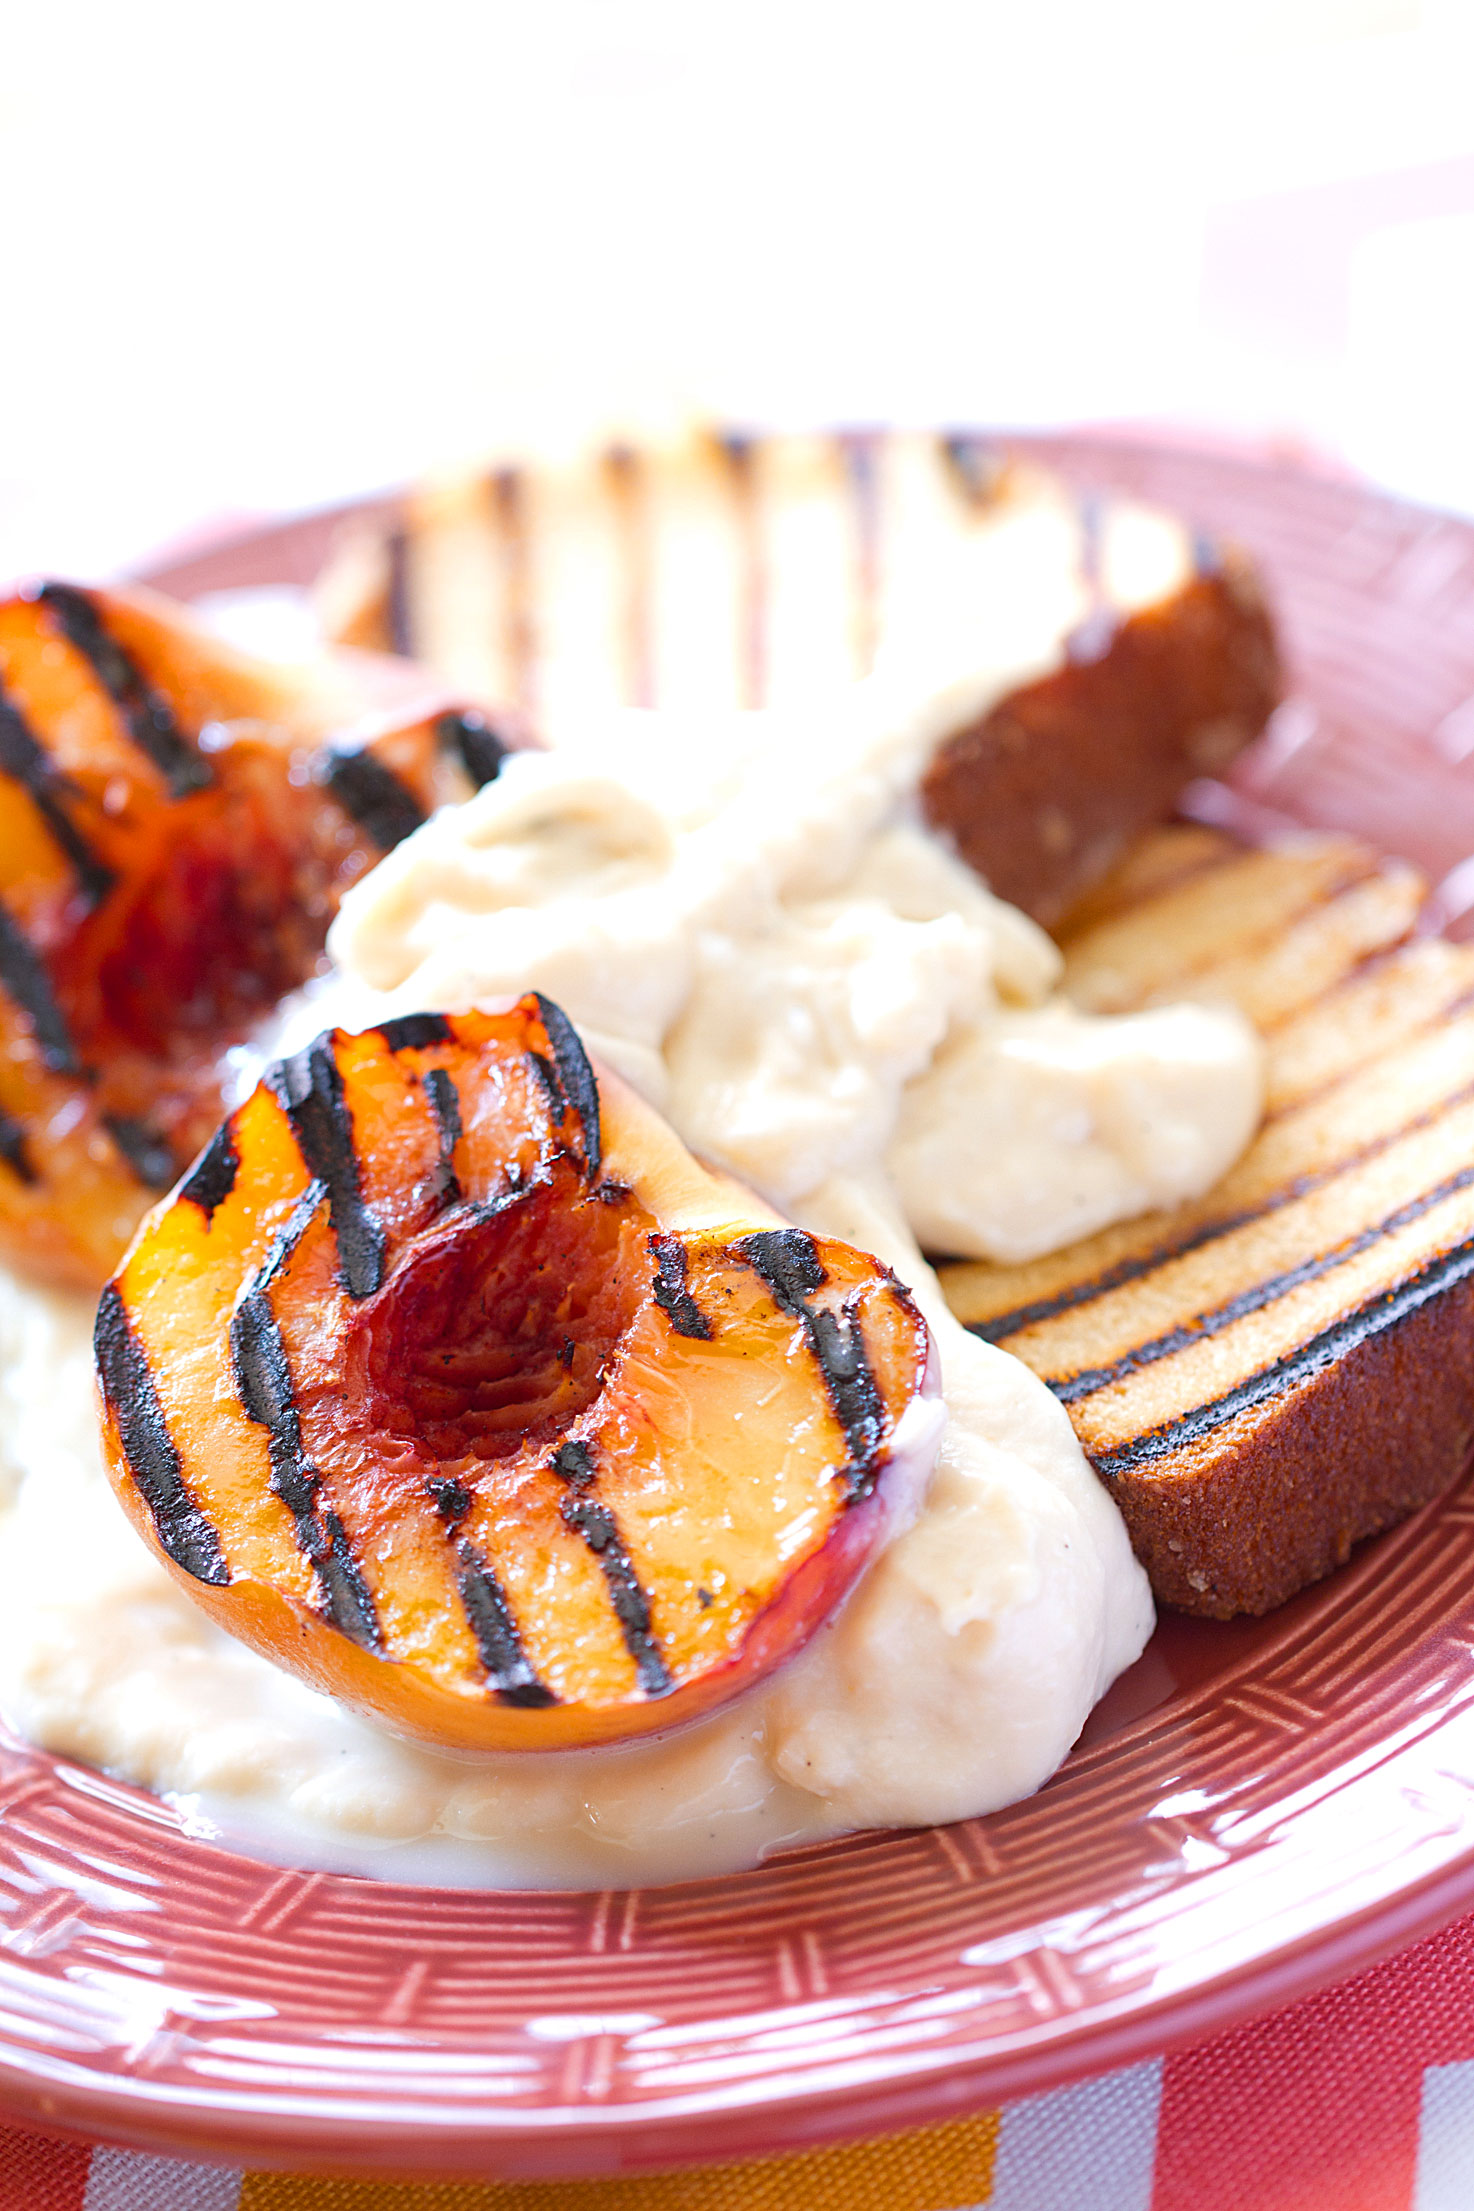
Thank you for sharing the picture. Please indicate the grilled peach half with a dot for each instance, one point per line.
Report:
(451, 1381)
(178, 823)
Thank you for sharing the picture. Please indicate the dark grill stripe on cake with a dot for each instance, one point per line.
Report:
(146, 712)
(999, 1327)
(741, 456)
(510, 508)
(309, 1089)
(976, 464)
(588, 1517)
(1297, 1367)
(509, 1672)
(131, 1397)
(787, 1260)
(29, 985)
(626, 474)
(382, 803)
(26, 761)
(1254, 1300)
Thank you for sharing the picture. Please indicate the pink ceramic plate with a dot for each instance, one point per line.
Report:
(1257, 1808)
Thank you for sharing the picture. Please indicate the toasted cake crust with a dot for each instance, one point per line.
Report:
(760, 570)
(1268, 1374)
(1045, 792)
(1239, 1519)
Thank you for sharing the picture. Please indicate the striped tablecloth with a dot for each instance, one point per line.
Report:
(1359, 2099)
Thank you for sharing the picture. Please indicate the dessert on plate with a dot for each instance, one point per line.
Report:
(541, 1359)
(523, 1430)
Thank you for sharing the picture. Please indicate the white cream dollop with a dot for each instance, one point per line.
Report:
(768, 945)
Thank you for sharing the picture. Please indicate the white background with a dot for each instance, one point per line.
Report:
(258, 257)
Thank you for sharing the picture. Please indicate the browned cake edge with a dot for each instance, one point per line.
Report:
(1045, 793)
(1236, 1503)
(1239, 1504)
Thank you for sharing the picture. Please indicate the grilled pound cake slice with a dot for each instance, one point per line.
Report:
(1268, 1374)
(710, 573)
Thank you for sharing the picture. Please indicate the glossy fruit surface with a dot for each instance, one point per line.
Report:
(177, 826)
(452, 1382)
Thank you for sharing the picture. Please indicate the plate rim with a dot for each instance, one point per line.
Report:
(632, 2139)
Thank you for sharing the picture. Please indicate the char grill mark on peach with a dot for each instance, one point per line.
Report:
(452, 1498)
(146, 712)
(787, 1260)
(145, 1150)
(214, 1174)
(153, 1461)
(575, 1085)
(25, 760)
(1090, 1379)
(309, 1090)
(13, 1148)
(416, 1032)
(470, 738)
(290, 1235)
(263, 1375)
(1374, 1318)
(445, 1104)
(382, 804)
(671, 1293)
(509, 1672)
(29, 985)
(587, 1516)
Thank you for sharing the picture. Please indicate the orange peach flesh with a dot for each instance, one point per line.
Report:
(576, 1466)
(154, 905)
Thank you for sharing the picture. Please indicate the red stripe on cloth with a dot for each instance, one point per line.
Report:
(40, 2175)
(1316, 2108)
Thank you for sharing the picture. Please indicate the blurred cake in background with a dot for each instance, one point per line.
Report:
(720, 572)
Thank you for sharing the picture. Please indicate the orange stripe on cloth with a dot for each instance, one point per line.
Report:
(932, 2169)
